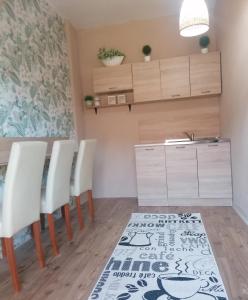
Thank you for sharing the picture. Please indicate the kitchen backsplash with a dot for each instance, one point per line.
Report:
(35, 94)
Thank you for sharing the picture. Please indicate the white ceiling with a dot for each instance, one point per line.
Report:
(92, 13)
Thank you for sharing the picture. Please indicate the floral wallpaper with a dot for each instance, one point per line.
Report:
(35, 96)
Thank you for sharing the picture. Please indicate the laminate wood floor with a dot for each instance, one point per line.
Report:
(73, 274)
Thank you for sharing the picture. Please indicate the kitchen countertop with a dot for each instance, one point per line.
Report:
(196, 142)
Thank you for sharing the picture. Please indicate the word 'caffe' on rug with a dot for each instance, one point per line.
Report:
(162, 257)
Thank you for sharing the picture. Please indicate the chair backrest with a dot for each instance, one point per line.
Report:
(83, 172)
(59, 174)
(22, 188)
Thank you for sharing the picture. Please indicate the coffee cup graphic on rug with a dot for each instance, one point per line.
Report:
(179, 286)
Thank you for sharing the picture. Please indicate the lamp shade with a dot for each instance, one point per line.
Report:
(194, 18)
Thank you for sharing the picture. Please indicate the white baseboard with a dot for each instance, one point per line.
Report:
(186, 202)
(240, 212)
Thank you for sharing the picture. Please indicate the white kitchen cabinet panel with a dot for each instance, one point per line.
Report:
(181, 167)
(214, 170)
(151, 174)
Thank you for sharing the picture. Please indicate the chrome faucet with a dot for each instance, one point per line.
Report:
(190, 136)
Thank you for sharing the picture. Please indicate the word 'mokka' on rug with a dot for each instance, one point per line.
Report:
(162, 257)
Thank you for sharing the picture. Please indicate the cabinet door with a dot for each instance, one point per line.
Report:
(146, 81)
(113, 79)
(181, 168)
(214, 170)
(175, 77)
(205, 74)
(151, 174)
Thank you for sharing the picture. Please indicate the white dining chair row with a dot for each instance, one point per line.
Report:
(23, 200)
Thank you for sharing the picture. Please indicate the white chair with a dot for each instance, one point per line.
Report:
(57, 193)
(21, 200)
(82, 178)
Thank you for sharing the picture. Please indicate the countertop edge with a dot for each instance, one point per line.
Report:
(224, 140)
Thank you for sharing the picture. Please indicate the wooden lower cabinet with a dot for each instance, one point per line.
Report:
(151, 175)
(181, 168)
(214, 171)
(184, 175)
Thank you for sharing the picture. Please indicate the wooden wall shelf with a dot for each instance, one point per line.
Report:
(96, 108)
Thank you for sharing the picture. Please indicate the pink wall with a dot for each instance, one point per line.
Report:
(116, 129)
(232, 24)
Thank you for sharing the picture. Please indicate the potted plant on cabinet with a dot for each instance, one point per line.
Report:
(147, 50)
(89, 100)
(110, 57)
(204, 43)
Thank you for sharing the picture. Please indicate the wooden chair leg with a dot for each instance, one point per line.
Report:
(12, 263)
(52, 234)
(79, 212)
(4, 253)
(68, 221)
(37, 239)
(91, 206)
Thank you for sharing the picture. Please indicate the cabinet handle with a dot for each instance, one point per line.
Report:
(214, 145)
(180, 147)
(176, 95)
(206, 92)
(113, 88)
(149, 149)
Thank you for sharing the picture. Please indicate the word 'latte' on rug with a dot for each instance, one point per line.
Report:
(162, 257)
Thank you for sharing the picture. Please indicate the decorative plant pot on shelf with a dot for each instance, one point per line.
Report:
(89, 101)
(204, 50)
(110, 57)
(147, 58)
(147, 50)
(113, 61)
(204, 43)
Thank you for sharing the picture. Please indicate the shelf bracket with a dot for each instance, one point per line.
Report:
(129, 107)
(95, 110)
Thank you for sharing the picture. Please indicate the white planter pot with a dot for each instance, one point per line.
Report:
(89, 103)
(147, 58)
(204, 50)
(113, 61)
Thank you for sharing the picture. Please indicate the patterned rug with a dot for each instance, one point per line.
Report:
(162, 257)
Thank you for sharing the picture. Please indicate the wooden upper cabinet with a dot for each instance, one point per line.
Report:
(175, 82)
(146, 81)
(113, 79)
(205, 74)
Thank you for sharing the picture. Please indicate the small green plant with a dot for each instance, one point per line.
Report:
(88, 98)
(104, 53)
(204, 41)
(147, 50)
